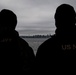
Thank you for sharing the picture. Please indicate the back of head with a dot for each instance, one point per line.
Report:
(65, 16)
(8, 19)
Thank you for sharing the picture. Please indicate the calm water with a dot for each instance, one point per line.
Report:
(35, 42)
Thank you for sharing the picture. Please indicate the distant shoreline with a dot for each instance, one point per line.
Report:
(34, 42)
(36, 36)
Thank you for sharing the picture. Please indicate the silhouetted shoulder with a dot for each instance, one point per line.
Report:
(44, 56)
(23, 42)
(26, 48)
(43, 46)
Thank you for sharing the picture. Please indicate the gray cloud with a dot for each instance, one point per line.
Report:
(35, 15)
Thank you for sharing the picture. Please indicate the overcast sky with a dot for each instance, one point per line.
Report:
(34, 16)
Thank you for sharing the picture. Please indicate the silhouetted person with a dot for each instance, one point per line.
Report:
(58, 54)
(16, 55)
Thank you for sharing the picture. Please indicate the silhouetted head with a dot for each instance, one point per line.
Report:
(65, 16)
(8, 19)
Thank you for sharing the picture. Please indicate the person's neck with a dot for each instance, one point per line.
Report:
(65, 31)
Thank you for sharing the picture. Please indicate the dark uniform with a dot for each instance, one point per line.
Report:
(57, 54)
(16, 55)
